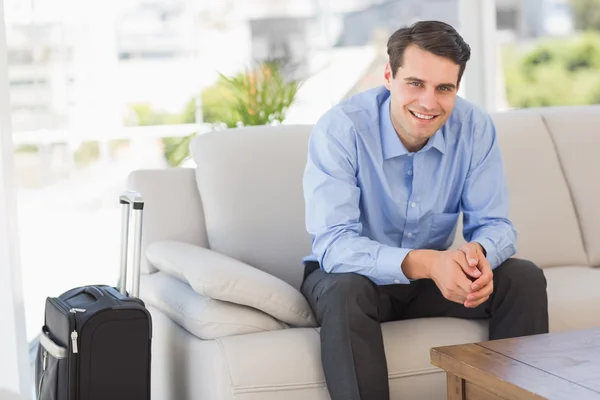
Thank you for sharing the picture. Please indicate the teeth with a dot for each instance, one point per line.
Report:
(423, 116)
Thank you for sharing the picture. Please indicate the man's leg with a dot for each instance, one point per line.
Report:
(519, 302)
(517, 307)
(350, 308)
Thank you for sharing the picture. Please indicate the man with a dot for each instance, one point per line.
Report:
(388, 172)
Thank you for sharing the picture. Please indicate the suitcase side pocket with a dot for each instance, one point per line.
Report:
(50, 367)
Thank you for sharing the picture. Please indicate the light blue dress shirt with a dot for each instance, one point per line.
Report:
(369, 201)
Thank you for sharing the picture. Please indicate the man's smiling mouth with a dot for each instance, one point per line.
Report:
(423, 117)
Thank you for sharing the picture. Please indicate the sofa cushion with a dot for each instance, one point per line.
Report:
(291, 359)
(540, 203)
(202, 316)
(575, 134)
(223, 278)
(250, 182)
(573, 297)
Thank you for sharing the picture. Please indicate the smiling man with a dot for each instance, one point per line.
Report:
(388, 172)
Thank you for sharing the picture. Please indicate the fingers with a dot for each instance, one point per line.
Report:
(470, 270)
(470, 250)
(475, 304)
(486, 276)
(482, 288)
(461, 280)
(476, 298)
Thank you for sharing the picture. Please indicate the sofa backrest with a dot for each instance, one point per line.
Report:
(575, 132)
(250, 183)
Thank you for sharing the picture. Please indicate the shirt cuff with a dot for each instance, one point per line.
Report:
(490, 250)
(389, 264)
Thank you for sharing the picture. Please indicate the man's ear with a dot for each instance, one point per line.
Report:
(387, 75)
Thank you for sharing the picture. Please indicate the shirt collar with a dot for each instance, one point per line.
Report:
(391, 143)
(437, 141)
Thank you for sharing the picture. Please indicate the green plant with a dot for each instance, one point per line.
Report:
(260, 95)
(554, 72)
(176, 149)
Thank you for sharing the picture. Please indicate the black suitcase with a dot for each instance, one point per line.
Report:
(96, 340)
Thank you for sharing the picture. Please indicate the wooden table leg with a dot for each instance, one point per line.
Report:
(455, 387)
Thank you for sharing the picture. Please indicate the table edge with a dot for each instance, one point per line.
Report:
(441, 358)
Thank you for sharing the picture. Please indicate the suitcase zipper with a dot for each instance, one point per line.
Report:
(74, 341)
(74, 333)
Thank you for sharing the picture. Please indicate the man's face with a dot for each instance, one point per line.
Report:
(422, 94)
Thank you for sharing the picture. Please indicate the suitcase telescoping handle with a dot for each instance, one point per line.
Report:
(131, 203)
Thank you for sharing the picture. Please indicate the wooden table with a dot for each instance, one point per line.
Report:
(561, 366)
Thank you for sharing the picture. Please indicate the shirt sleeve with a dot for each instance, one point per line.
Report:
(485, 200)
(332, 194)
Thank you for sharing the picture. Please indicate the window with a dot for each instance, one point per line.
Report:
(550, 57)
(83, 73)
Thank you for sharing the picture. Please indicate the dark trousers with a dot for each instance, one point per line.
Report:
(350, 309)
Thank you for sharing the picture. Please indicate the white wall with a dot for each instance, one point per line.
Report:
(15, 374)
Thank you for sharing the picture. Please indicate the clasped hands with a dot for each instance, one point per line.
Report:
(464, 276)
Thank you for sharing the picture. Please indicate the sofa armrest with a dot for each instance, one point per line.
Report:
(202, 316)
(223, 278)
(173, 208)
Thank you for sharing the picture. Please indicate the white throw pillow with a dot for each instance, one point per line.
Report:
(224, 278)
(202, 316)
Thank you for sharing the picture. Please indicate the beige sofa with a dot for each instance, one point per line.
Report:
(244, 202)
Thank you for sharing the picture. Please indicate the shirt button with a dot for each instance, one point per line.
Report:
(413, 205)
(396, 281)
(409, 235)
(409, 172)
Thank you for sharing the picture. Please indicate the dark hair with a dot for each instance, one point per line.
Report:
(435, 37)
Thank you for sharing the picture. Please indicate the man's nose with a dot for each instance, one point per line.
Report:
(428, 100)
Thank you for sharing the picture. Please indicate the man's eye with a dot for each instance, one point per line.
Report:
(445, 88)
(415, 83)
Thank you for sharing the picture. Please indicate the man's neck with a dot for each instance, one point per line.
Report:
(412, 145)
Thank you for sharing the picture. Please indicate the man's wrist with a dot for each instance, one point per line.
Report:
(481, 248)
(417, 264)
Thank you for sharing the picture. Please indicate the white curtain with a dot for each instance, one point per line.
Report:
(15, 370)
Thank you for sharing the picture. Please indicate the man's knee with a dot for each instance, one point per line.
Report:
(522, 276)
(339, 292)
